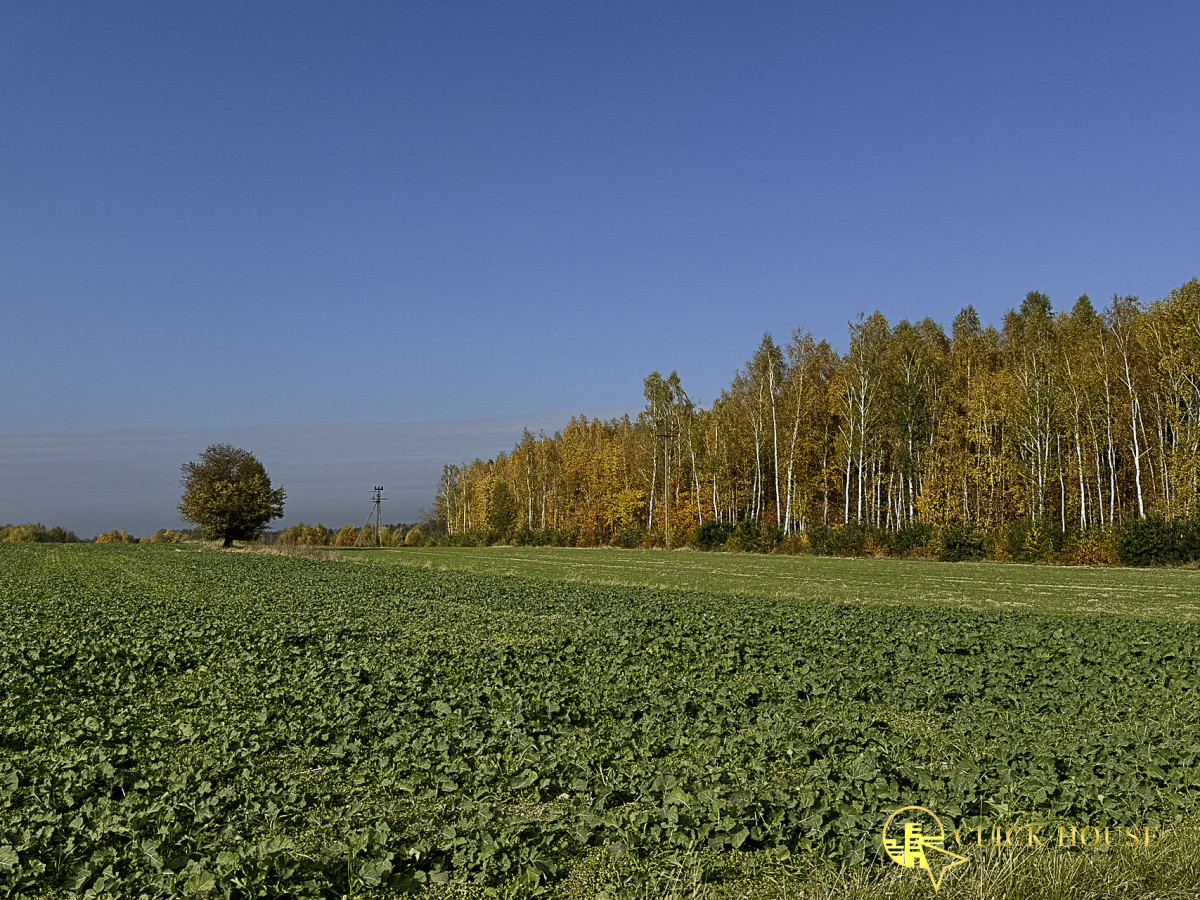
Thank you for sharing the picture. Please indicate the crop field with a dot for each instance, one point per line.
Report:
(178, 722)
(1168, 594)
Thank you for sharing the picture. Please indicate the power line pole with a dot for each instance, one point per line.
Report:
(377, 500)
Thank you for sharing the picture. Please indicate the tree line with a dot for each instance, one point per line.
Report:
(318, 535)
(1056, 423)
(37, 533)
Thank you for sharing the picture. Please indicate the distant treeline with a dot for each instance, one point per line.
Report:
(398, 535)
(36, 533)
(1053, 431)
(349, 536)
(162, 536)
(31, 533)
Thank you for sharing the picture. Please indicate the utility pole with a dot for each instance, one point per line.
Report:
(377, 500)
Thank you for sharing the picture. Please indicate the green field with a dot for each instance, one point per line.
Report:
(1169, 594)
(181, 722)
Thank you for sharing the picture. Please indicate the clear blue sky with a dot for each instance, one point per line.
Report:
(310, 226)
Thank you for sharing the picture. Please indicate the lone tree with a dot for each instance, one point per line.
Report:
(228, 494)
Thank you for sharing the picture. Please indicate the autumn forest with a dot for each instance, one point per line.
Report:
(1077, 420)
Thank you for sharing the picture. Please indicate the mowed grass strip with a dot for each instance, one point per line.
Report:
(1172, 594)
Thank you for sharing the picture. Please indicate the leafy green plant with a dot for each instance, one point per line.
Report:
(177, 722)
(912, 538)
(960, 543)
(1033, 540)
(747, 536)
(712, 534)
(1158, 541)
(630, 537)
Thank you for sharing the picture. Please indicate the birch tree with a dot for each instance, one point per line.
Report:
(1121, 317)
(1029, 343)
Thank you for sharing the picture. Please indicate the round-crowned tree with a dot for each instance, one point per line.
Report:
(228, 494)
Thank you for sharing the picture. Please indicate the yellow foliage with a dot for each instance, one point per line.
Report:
(626, 507)
(21, 534)
(1090, 551)
(116, 536)
(166, 536)
(872, 548)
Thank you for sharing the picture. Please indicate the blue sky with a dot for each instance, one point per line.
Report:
(427, 223)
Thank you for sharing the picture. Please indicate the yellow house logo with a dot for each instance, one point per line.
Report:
(914, 838)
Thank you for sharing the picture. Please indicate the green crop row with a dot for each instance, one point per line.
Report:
(176, 722)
